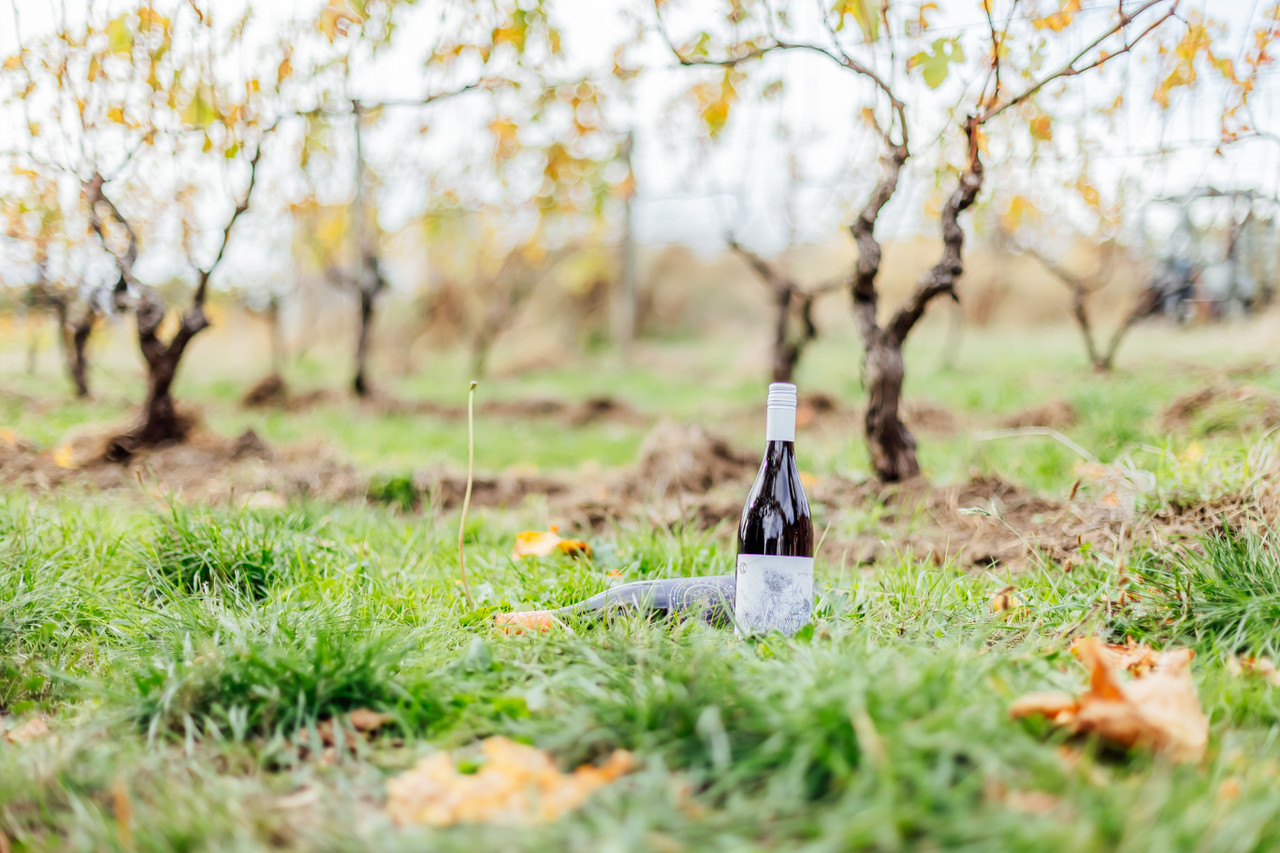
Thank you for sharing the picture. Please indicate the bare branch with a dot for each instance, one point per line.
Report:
(1070, 70)
(241, 206)
(93, 194)
(772, 276)
(757, 51)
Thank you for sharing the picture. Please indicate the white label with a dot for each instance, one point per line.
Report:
(772, 594)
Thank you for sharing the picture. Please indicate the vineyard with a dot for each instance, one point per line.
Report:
(342, 347)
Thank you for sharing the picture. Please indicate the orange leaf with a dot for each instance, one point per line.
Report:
(33, 729)
(517, 785)
(364, 720)
(525, 620)
(540, 543)
(1158, 709)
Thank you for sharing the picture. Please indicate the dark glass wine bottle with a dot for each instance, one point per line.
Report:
(773, 588)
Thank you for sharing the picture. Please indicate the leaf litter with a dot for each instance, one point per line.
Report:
(517, 785)
(1158, 709)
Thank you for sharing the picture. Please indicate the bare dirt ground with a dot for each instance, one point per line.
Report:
(272, 393)
(1222, 407)
(684, 475)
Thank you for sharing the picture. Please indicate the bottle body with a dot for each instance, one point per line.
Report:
(773, 589)
(707, 599)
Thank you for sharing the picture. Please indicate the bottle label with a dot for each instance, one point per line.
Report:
(772, 594)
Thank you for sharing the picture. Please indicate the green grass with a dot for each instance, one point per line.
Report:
(885, 728)
(184, 655)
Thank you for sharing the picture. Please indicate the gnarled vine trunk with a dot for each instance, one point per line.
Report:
(77, 353)
(889, 442)
(360, 382)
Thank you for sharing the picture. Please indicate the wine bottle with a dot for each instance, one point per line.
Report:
(708, 599)
(773, 589)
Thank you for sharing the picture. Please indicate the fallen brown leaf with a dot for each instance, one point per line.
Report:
(364, 720)
(531, 621)
(1159, 709)
(518, 785)
(1138, 659)
(33, 729)
(1255, 667)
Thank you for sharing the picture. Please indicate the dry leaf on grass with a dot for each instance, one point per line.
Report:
(1138, 659)
(1255, 667)
(364, 720)
(1159, 709)
(33, 729)
(531, 621)
(542, 543)
(518, 785)
(1006, 600)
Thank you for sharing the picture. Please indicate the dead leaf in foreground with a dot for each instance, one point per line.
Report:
(32, 729)
(1006, 600)
(1159, 709)
(364, 720)
(518, 785)
(1256, 667)
(542, 543)
(532, 621)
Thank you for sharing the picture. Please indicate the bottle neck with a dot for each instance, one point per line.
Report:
(780, 424)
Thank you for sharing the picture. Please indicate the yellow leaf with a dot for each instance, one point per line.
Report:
(539, 543)
(12, 63)
(1158, 709)
(517, 785)
(115, 114)
(1041, 128)
(334, 19)
(1006, 600)
(284, 70)
(119, 36)
(64, 456)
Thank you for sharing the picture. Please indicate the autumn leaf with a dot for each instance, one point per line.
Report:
(119, 36)
(866, 13)
(1255, 668)
(514, 32)
(540, 543)
(532, 621)
(935, 62)
(517, 785)
(334, 19)
(364, 720)
(1006, 600)
(1158, 709)
(33, 729)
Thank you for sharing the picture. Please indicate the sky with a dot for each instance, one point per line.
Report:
(692, 193)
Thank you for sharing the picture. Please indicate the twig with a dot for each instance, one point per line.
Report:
(466, 499)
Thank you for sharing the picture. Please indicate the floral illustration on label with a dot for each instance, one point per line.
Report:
(773, 593)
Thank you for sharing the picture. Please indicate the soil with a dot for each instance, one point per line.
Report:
(204, 468)
(1055, 414)
(271, 392)
(683, 476)
(822, 410)
(1221, 407)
